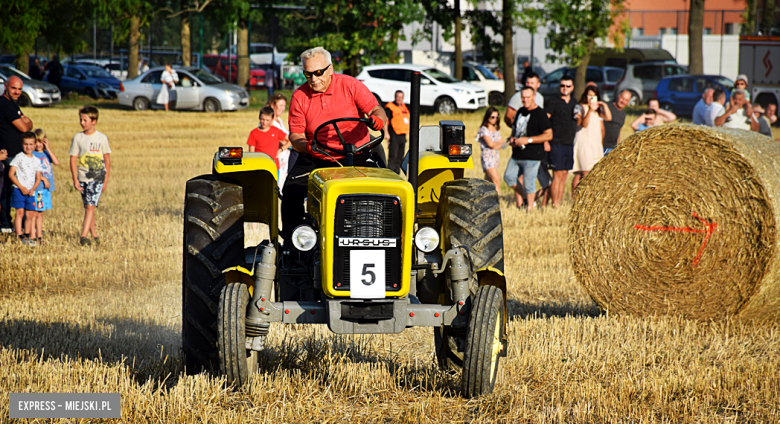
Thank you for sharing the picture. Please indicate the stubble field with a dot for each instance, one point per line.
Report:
(108, 318)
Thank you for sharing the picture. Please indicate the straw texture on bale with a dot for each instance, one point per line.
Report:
(682, 219)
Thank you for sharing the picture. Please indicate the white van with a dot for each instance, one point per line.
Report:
(437, 89)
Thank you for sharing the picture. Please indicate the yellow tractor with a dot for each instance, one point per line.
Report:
(377, 254)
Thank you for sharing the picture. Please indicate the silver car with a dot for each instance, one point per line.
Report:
(34, 92)
(198, 89)
(642, 78)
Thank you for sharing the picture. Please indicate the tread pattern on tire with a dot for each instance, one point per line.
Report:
(209, 246)
(486, 313)
(236, 362)
(469, 215)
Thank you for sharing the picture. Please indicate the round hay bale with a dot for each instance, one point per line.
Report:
(681, 219)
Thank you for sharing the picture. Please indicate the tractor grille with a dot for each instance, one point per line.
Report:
(365, 216)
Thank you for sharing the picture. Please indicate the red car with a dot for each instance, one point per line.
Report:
(218, 64)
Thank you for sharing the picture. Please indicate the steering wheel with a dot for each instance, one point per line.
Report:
(348, 150)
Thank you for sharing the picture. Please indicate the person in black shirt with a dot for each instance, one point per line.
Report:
(36, 72)
(55, 71)
(529, 132)
(13, 124)
(560, 110)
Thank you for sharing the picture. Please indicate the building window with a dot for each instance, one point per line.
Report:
(729, 28)
(672, 31)
(707, 31)
(638, 32)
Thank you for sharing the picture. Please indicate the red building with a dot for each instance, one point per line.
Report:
(658, 17)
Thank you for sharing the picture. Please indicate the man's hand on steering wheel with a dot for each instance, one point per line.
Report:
(375, 123)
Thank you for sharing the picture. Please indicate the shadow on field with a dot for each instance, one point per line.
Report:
(150, 350)
(522, 310)
(352, 364)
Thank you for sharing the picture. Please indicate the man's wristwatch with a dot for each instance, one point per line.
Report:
(530, 140)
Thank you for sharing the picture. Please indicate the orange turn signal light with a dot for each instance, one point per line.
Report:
(231, 152)
(459, 150)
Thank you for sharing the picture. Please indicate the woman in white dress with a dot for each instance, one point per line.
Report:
(167, 95)
(278, 102)
(588, 143)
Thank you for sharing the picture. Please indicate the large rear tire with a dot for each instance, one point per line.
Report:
(469, 215)
(483, 342)
(236, 362)
(213, 241)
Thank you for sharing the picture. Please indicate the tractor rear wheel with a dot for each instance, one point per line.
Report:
(469, 215)
(236, 362)
(483, 342)
(213, 241)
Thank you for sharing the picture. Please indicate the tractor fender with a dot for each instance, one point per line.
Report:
(489, 276)
(239, 274)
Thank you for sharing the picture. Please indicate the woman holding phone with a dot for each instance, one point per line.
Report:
(590, 114)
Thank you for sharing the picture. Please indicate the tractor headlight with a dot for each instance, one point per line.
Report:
(304, 238)
(426, 239)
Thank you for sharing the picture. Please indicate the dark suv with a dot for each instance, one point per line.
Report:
(605, 78)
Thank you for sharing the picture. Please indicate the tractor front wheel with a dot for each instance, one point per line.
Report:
(483, 342)
(236, 362)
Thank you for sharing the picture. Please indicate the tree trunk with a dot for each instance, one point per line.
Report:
(352, 65)
(750, 19)
(768, 16)
(582, 69)
(23, 60)
(507, 9)
(458, 45)
(185, 38)
(695, 33)
(134, 40)
(242, 50)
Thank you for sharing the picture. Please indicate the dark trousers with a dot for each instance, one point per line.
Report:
(296, 184)
(397, 144)
(5, 197)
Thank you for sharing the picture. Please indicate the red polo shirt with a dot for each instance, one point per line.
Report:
(346, 97)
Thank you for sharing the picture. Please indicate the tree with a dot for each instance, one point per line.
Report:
(357, 32)
(128, 17)
(695, 34)
(749, 17)
(185, 9)
(508, 12)
(451, 21)
(22, 22)
(768, 16)
(577, 26)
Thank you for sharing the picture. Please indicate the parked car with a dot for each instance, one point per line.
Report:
(477, 74)
(10, 59)
(198, 89)
(642, 78)
(679, 94)
(92, 81)
(34, 92)
(437, 89)
(261, 54)
(218, 64)
(605, 78)
(620, 58)
(113, 67)
(537, 67)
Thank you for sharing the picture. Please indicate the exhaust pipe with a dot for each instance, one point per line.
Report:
(414, 135)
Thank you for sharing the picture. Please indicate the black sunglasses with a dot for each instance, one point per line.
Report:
(317, 73)
(566, 86)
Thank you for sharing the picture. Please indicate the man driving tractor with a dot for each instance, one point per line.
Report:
(324, 97)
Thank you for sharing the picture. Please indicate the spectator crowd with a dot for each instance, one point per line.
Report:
(563, 134)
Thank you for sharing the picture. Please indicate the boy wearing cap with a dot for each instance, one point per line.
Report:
(741, 84)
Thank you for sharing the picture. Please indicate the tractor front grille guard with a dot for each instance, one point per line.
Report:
(368, 216)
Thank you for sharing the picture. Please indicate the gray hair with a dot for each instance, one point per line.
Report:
(308, 54)
(741, 91)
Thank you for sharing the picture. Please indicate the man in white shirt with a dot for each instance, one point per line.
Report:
(738, 113)
(715, 110)
(515, 102)
(701, 107)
